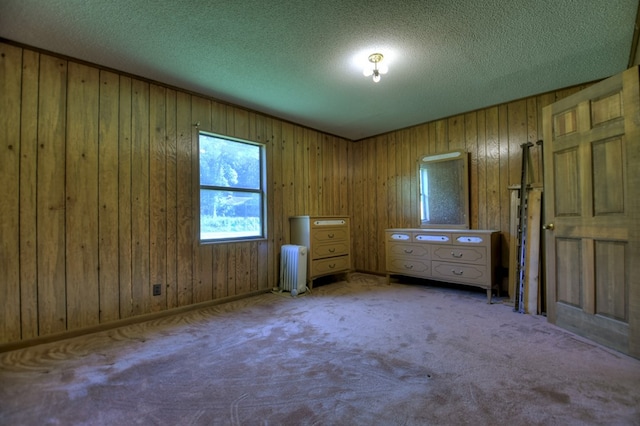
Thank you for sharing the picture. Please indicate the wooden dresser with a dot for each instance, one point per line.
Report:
(328, 239)
(462, 256)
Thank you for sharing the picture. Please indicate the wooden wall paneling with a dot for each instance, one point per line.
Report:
(455, 133)
(517, 134)
(382, 222)
(327, 176)
(108, 276)
(231, 250)
(371, 195)
(222, 121)
(219, 270)
(186, 232)
(471, 146)
(407, 195)
(482, 169)
(400, 171)
(504, 202)
(202, 111)
(10, 85)
(493, 167)
(262, 275)
(314, 182)
(140, 196)
(28, 188)
(300, 171)
(288, 176)
(171, 160)
(343, 156)
(240, 123)
(532, 136)
(125, 242)
(277, 184)
(82, 196)
(52, 304)
(271, 266)
(157, 196)
(392, 173)
(335, 175)
(422, 140)
(413, 175)
(243, 267)
(358, 213)
(441, 141)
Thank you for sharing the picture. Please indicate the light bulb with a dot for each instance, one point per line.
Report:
(376, 77)
(383, 69)
(367, 72)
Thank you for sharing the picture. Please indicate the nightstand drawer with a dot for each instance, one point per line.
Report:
(323, 235)
(329, 265)
(337, 248)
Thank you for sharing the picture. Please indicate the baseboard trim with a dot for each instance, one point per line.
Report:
(12, 346)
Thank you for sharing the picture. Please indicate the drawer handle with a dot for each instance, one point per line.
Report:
(330, 235)
(331, 250)
(333, 265)
(408, 251)
(457, 272)
(458, 255)
(408, 266)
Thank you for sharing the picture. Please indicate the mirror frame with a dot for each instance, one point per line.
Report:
(459, 159)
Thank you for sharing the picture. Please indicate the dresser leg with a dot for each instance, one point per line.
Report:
(489, 296)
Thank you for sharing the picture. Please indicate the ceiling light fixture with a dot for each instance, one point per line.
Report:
(375, 59)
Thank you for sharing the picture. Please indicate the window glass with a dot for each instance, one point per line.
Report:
(231, 189)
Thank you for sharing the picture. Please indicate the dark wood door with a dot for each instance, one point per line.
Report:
(592, 220)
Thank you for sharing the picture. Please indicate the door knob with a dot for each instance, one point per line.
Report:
(549, 226)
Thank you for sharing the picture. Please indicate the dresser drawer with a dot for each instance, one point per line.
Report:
(330, 265)
(337, 248)
(472, 240)
(323, 235)
(408, 266)
(475, 255)
(432, 237)
(408, 250)
(476, 274)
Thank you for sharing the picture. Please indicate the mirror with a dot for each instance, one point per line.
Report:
(444, 190)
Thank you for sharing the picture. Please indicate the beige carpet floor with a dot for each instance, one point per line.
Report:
(349, 353)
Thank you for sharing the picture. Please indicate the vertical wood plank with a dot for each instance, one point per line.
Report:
(314, 184)
(203, 111)
(381, 197)
(140, 197)
(327, 175)
(243, 268)
(471, 146)
(108, 197)
(392, 172)
(186, 229)
(287, 152)
(125, 254)
(52, 100)
(28, 190)
(157, 196)
(82, 197)
(493, 167)
(10, 85)
(171, 200)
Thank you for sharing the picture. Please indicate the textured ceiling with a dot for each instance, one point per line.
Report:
(302, 60)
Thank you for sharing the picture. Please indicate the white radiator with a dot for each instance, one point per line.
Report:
(293, 269)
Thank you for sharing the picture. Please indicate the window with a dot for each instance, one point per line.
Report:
(232, 196)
